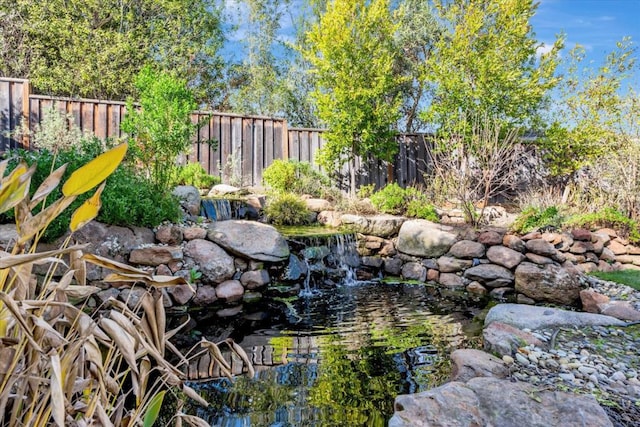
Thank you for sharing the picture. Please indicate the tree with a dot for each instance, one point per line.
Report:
(592, 116)
(95, 48)
(486, 62)
(352, 56)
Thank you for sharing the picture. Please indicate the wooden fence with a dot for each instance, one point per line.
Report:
(236, 148)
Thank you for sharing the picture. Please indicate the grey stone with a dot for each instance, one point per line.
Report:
(414, 271)
(490, 275)
(8, 236)
(550, 283)
(181, 294)
(471, 363)
(295, 270)
(189, 198)
(215, 264)
(318, 205)
(230, 290)
(132, 297)
(393, 266)
(255, 279)
(467, 249)
(424, 238)
(249, 239)
(205, 295)
(169, 234)
(541, 247)
(451, 280)
(535, 317)
(486, 401)
(376, 225)
(447, 264)
(504, 339)
(538, 259)
(506, 257)
(514, 242)
(371, 261)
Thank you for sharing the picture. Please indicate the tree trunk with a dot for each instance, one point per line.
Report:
(352, 177)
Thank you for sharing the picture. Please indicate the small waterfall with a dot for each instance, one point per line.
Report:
(216, 209)
(343, 248)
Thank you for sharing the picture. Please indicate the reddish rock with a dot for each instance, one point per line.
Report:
(169, 234)
(388, 249)
(633, 250)
(155, 255)
(504, 339)
(467, 249)
(622, 310)
(448, 264)
(604, 266)
(541, 247)
(433, 275)
(191, 233)
(628, 259)
(451, 280)
(514, 242)
(617, 248)
(230, 290)
(476, 288)
(538, 259)
(471, 363)
(553, 238)
(581, 247)
(550, 283)
(181, 294)
(581, 234)
(205, 295)
(255, 279)
(608, 231)
(505, 256)
(532, 235)
(490, 238)
(590, 300)
(163, 270)
(565, 243)
(414, 271)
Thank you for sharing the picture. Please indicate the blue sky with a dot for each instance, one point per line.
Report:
(595, 24)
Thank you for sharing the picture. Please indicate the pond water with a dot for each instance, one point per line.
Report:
(338, 356)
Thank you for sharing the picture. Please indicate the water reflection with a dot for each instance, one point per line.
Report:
(340, 357)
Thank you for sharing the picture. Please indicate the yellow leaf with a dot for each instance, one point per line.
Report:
(15, 187)
(94, 172)
(87, 211)
(48, 185)
(33, 225)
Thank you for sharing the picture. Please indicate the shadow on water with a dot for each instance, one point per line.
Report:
(338, 356)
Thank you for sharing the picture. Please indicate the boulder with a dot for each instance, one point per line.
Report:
(504, 256)
(620, 310)
(471, 363)
(169, 234)
(215, 264)
(447, 264)
(490, 238)
(223, 190)
(541, 247)
(538, 259)
(414, 271)
(424, 238)
(249, 239)
(318, 205)
(205, 295)
(330, 218)
(230, 290)
(550, 283)
(490, 275)
(502, 338)
(590, 300)
(181, 294)
(476, 288)
(617, 248)
(488, 401)
(451, 280)
(189, 198)
(467, 249)
(376, 225)
(393, 266)
(533, 317)
(190, 233)
(295, 270)
(581, 234)
(155, 255)
(255, 279)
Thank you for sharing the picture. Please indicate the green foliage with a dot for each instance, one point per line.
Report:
(420, 209)
(591, 118)
(352, 55)
(296, 177)
(287, 209)
(128, 198)
(625, 277)
(56, 131)
(366, 191)
(192, 174)
(485, 62)
(161, 128)
(535, 218)
(92, 48)
(607, 217)
(391, 199)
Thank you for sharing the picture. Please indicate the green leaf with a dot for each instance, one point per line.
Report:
(153, 410)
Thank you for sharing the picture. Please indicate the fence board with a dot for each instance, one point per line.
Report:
(247, 151)
(216, 161)
(5, 114)
(236, 148)
(277, 140)
(268, 143)
(225, 142)
(258, 154)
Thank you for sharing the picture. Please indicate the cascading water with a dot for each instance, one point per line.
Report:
(216, 209)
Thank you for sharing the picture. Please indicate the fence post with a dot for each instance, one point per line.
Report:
(26, 93)
(285, 140)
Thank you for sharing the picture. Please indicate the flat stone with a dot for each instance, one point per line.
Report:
(169, 234)
(486, 401)
(533, 317)
(376, 225)
(318, 205)
(471, 363)
(538, 259)
(581, 234)
(490, 275)
(425, 239)
(223, 190)
(541, 247)
(514, 242)
(265, 244)
(591, 299)
(476, 288)
(504, 256)
(155, 255)
(447, 264)
(414, 271)
(617, 248)
(181, 294)
(467, 249)
(550, 283)
(505, 339)
(620, 310)
(191, 233)
(490, 238)
(205, 295)
(581, 247)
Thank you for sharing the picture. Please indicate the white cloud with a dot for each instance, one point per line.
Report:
(543, 49)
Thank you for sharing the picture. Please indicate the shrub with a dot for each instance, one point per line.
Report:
(607, 217)
(128, 198)
(366, 191)
(296, 177)
(193, 174)
(287, 209)
(534, 218)
(391, 199)
(419, 209)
